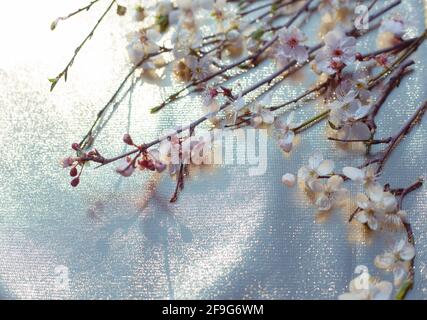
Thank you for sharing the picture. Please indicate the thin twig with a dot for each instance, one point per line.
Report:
(64, 73)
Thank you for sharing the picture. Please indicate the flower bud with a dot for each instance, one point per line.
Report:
(127, 139)
(160, 166)
(67, 162)
(150, 166)
(75, 146)
(288, 180)
(286, 147)
(233, 35)
(226, 92)
(126, 171)
(73, 172)
(75, 182)
(121, 10)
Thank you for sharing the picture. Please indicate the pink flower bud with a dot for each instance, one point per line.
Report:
(147, 164)
(160, 166)
(289, 180)
(75, 146)
(150, 166)
(75, 182)
(127, 139)
(73, 172)
(213, 92)
(126, 167)
(126, 171)
(67, 162)
(286, 147)
(226, 92)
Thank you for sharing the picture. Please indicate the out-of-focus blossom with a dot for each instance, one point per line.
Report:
(366, 287)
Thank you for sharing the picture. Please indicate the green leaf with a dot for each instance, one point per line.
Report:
(156, 109)
(53, 82)
(53, 25)
(257, 34)
(163, 22)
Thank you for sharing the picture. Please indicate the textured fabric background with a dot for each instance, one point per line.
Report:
(229, 235)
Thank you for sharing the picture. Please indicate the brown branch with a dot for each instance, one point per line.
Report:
(397, 138)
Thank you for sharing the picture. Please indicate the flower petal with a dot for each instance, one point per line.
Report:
(375, 191)
(354, 174)
(360, 131)
(335, 182)
(315, 160)
(362, 201)
(385, 261)
(372, 223)
(362, 217)
(407, 252)
(325, 167)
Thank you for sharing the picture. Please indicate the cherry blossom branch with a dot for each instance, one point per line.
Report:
(220, 34)
(390, 86)
(85, 8)
(251, 57)
(64, 73)
(324, 84)
(103, 161)
(393, 142)
(397, 47)
(88, 138)
(416, 117)
(410, 50)
(275, 5)
(369, 142)
(409, 282)
(302, 96)
(318, 118)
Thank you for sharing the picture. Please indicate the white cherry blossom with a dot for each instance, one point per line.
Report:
(329, 194)
(262, 115)
(396, 260)
(368, 177)
(369, 212)
(142, 43)
(317, 166)
(200, 67)
(339, 50)
(290, 44)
